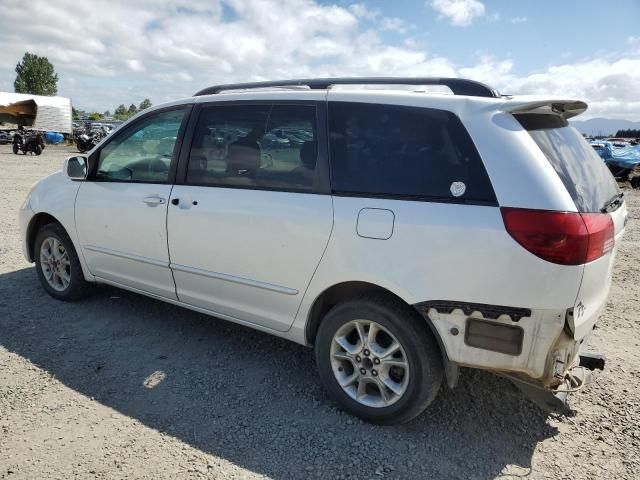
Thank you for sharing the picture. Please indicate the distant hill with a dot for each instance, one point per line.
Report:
(603, 126)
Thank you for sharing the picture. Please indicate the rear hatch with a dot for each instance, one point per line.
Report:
(594, 192)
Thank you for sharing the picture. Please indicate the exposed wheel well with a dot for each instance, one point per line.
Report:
(334, 295)
(37, 222)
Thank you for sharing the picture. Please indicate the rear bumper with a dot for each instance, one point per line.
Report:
(555, 400)
(497, 338)
(534, 346)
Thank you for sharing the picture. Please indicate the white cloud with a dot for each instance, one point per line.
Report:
(519, 20)
(459, 12)
(360, 10)
(611, 86)
(394, 24)
(108, 52)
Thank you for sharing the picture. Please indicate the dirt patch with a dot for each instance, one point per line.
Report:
(122, 386)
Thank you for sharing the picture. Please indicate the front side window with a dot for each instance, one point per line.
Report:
(404, 152)
(144, 153)
(255, 146)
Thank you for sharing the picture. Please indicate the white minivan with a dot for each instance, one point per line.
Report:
(403, 233)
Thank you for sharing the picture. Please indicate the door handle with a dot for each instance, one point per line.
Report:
(154, 200)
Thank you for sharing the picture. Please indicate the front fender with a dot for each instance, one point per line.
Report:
(55, 195)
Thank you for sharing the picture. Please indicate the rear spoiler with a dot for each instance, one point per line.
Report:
(565, 108)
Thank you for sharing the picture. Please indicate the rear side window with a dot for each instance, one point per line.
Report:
(405, 152)
(271, 147)
(582, 171)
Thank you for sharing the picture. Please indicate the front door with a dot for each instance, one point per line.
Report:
(121, 210)
(249, 225)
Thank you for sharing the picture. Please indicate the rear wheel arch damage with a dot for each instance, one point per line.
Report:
(377, 358)
(346, 291)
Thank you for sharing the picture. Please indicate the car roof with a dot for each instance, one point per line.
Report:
(566, 107)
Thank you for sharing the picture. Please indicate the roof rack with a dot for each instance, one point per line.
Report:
(459, 86)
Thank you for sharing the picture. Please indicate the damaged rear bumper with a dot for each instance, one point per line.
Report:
(556, 400)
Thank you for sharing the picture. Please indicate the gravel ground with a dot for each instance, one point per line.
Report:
(123, 386)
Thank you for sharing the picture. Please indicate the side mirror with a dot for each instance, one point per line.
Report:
(76, 167)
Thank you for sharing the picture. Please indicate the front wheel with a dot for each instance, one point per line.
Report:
(16, 149)
(37, 149)
(57, 264)
(378, 360)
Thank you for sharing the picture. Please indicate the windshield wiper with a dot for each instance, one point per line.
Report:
(613, 203)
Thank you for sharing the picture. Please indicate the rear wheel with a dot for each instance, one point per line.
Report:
(57, 264)
(378, 359)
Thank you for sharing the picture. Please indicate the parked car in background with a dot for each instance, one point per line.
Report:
(404, 236)
(623, 162)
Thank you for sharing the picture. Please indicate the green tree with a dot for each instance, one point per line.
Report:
(132, 110)
(35, 75)
(77, 114)
(146, 103)
(121, 112)
(95, 116)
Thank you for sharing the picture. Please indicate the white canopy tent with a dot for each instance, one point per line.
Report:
(35, 111)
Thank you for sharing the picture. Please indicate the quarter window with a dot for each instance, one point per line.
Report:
(255, 146)
(144, 153)
(402, 151)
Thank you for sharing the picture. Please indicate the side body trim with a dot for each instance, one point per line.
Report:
(234, 279)
(128, 256)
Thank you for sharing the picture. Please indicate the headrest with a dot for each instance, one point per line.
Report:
(309, 154)
(243, 157)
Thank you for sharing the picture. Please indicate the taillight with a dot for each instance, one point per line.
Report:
(601, 234)
(566, 238)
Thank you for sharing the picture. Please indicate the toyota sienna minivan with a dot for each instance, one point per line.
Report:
(403, 233)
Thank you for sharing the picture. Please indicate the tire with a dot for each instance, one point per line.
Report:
(37, 149)
(635, 182)
(16, 149)
(419, 351)
(77, 286)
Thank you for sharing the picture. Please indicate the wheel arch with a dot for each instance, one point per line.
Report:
(346, 290)
(38, 221)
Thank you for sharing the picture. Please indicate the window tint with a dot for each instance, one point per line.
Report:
(404, 151)
(255, 146)
(144, 153)
(582, 171)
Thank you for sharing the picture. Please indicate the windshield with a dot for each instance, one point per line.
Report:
(583, 172)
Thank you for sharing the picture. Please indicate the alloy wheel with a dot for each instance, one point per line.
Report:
(55, 264)
(369, 363)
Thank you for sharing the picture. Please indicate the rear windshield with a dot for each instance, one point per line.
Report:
(583, 172)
